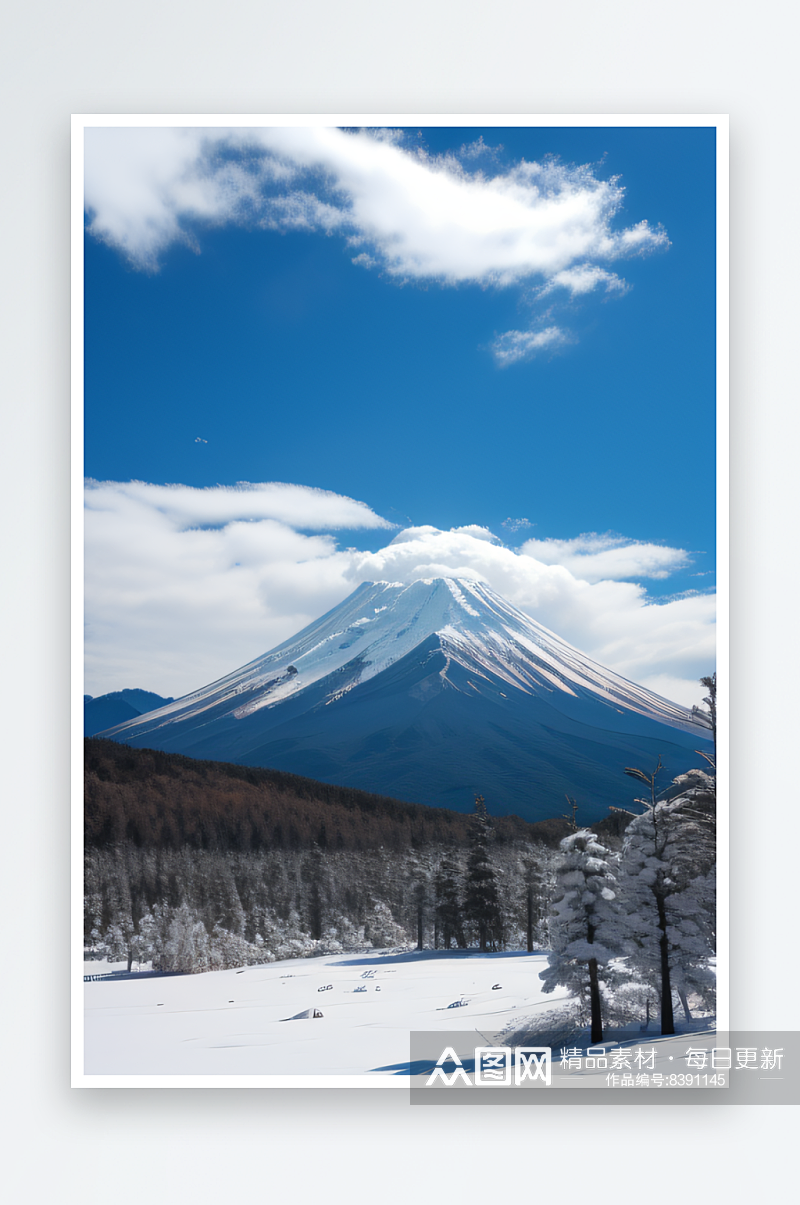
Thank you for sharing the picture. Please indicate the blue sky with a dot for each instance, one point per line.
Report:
(455, 376)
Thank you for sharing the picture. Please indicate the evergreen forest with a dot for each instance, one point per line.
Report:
(195, 866)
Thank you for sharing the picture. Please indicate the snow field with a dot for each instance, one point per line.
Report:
(236, 1022)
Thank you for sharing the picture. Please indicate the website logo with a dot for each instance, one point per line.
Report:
(495, 1066)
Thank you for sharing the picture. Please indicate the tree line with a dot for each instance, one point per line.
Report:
(158, 800)
(196, 910)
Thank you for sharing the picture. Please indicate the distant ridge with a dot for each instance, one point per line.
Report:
(106, 711)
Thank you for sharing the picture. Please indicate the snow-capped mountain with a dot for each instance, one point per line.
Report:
(432, 692)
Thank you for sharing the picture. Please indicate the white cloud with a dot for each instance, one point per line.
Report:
(584, 279)
(593, 558)
(299, 506)
(478, 149)
(145, 187)
(613, 621)
(513, 346)
(474, 530)
(418, 217)
(183, 586)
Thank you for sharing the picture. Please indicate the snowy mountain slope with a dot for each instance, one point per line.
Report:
(431, 692)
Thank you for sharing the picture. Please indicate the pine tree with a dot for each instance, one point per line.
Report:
(584, 931)
(708, 715)
(481, 904)
(418, 893)
(534, 881)
(667, 883)
(448, 917)
(222, 905)
(313, 875)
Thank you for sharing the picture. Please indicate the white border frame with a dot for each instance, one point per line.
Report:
(487, 121)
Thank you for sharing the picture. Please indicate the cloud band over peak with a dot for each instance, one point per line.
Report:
(184, 585)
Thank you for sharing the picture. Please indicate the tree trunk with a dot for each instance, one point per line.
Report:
(684, 1003)
(420, 932)
(594, 996)
(530, 920)
(667, 1019)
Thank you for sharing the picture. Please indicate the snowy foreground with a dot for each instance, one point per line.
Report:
(236, 1022)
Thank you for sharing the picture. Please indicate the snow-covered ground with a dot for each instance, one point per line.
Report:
(236, 1022)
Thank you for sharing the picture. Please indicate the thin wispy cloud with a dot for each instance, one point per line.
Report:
(299, 506)
(478, 149)
(184, 585)
(585, 279)
(609, 557)
(514, 346)
(454, 219)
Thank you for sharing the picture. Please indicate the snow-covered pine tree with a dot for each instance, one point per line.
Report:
(120, 943)
(120, 927)
(481, 903)
(696, 871)
(381, 929)
(187, 945)
(584, 928)
(667, 885)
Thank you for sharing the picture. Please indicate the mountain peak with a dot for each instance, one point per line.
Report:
(380, 623)
(403, 686)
